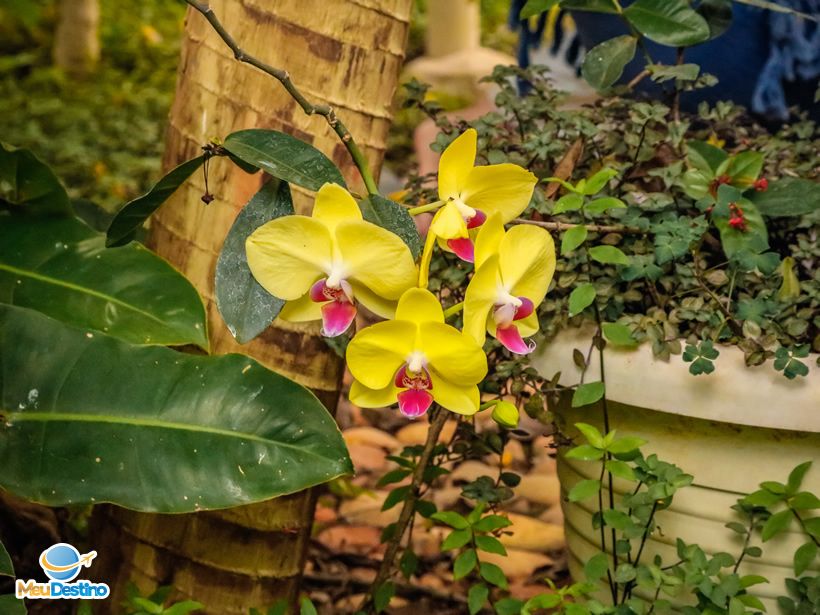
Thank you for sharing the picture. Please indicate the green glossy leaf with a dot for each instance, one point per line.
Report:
(27, 182)
(492, 574)
(573, 237)
(584, 490)
(587, 393)
(246, 307)
(451, 518)
(284, 156)
(6, 567)
(508, 606)
(456, 539)
(536, 7)
(775, 524)
(599, 206)
(597, 182)
(804, 557)
(581, 298)
(596, 567)
(134, 213)
(753, 239)
(805, 501)
(9, 605)
(744, 168)
(568, 202)
(306, 607)
(383, 595)
(464, 564)
(537, 604)
(590, 432)
(477, 597)
(718, 15)
(604, 64)
(618, 334)
(149, 428)
(796, 477)
(393, 217)
(608, 255)
(621, 469)
(626, 444)
(490, 544)
(491, 523)
(584, 452)
(789, 196)
(678, 72)
(593, 6)
(669, 22)
(617, 519)
(61, 267)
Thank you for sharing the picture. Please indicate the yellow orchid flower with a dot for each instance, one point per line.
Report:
(320, 264)
(416, 359)
(513, 273)
(471, 193)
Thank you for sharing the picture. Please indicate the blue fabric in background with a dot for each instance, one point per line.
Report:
(766, 61)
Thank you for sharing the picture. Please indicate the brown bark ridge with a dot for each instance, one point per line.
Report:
(346, 53)
(76, 40)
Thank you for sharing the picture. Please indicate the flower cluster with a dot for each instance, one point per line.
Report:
(323, 265)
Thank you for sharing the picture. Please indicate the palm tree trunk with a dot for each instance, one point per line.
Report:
(346, 53)
(76, 41)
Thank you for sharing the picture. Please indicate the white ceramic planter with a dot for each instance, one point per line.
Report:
(732, 430)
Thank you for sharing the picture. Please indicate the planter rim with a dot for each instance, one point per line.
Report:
(734, 393)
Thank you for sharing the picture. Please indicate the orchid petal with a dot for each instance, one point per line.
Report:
(499, 188)
(528, 326)
(372, 398)
(455, 164)
(526, 308)
(419, 305)
(413, 403)
(337, 317)
(457, 357)
(448, 222)
(510, 338)
(477, 220)
(303, 309)
(527, 262)
(488, 239)
(287, 255)
(377, 352)
(334, 205)
(480, 297)
(463, 248)
(454, 397)
(376, 258)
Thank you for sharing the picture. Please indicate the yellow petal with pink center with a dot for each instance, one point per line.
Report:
(289, 254)
(455, 165)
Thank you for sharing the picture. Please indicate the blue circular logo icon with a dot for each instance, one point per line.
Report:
(61, 562)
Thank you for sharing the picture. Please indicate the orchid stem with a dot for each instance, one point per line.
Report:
(437, 421)
(284, 78)
(453, 310)
(421, 209)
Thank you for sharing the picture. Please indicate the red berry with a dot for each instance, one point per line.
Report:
(761, 184)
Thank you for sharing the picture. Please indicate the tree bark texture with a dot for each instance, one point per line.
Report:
(346, 53)
(76, 41)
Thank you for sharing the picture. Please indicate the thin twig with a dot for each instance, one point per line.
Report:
(408, 508)
(594, 228)
(638, 78)
(309, 108)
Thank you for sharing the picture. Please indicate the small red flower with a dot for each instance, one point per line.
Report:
(761, 184)
(737, 219)
(717, 183)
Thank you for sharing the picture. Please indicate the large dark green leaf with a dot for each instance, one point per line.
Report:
(604, 64)
(61, 267)
(6, 567)
(284, 156)
(594, 6)
(132, 216)
(27, 182)
(393, 217)
(9, 605)
(246, 307)
(93, 419)
(669, 22)
(718, 15)
(789, 196)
